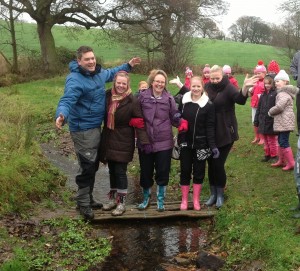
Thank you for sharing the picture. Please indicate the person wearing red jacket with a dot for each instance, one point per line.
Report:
(255, 92)
(206, 74)
(232, 79)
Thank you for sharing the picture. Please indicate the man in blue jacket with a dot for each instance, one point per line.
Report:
(83, 107)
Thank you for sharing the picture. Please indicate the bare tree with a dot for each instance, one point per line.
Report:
(10, 17)
(169, 26)
(207, 28)
(234, 32)
(47, 13)
(250, 29)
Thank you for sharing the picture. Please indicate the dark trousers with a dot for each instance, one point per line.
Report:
(216, 167)
(158, 161)
(118, 176)
(86, 144)
(190, 164)
(283, 139)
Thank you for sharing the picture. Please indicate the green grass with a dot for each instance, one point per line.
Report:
(232, 53)
(68, 247)
(255, 223)
(208, 51)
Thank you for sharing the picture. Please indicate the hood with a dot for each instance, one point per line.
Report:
(289, 89)
(187, 98)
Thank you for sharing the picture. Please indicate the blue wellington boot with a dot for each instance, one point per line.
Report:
(161, 193)
(146, 200)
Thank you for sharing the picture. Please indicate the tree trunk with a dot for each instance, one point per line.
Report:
(49, 55)
(14, 68)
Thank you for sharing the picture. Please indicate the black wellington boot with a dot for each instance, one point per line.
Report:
(297, 208)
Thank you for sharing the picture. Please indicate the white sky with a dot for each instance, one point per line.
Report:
(264, 9)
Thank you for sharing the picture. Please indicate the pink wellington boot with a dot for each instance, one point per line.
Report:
(185, 197)
(289, 157)
(196, 196)
(261, 139)
(256, 138)
(280, 162)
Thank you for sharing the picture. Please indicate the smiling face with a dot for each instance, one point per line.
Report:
(206, 74)
(158, 85)
(121, 84)
(87, 61)
(268, 83)
(280, 83)
(196, 88)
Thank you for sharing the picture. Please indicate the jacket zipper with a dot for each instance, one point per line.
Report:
(195, 128)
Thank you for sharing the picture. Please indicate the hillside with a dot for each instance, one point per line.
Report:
(206, 51)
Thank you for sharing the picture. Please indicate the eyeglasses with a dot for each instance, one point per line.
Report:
(159, 82)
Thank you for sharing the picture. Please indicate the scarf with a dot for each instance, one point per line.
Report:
(113, 105)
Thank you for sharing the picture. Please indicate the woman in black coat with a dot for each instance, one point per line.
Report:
(224, 96)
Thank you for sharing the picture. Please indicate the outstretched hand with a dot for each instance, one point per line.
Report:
(59, 121)
(176, 81)
(135, 61)
(248, 83)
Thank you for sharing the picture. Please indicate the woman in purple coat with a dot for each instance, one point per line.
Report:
(160, 114)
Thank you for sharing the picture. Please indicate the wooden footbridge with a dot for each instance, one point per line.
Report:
(172, 210)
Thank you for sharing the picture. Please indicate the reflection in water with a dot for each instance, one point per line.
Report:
(145, 245)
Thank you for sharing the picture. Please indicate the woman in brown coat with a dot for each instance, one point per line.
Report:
(123, 115)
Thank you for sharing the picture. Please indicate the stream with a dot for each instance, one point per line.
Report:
(136, 245)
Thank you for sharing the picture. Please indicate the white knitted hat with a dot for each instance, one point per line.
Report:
(226, 69)
(282, 75)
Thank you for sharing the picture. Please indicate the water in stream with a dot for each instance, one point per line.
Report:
(141, 245)
(137, 245)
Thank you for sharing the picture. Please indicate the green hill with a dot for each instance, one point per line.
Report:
(208, 51)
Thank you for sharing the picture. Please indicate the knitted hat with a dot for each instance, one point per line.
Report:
(260, 67)
(188, 72)
(226, 69)
(206, 68)
(282, 75)
(273, 67)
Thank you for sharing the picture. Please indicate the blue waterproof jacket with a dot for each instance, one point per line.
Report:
(83, 102)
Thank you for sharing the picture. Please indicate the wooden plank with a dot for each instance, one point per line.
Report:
(132, 213)
(171, 211)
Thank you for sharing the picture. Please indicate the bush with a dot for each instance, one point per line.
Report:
(65, 55)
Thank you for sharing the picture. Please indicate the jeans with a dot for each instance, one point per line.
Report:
(283, 139)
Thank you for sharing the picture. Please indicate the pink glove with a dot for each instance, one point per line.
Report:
(137, 122)
(184, 126)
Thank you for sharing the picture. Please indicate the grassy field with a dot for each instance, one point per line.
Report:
(254, 225)
(208, 51)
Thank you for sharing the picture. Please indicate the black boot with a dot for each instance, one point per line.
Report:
(297, 208)
(95, 204)
(266, 158)
(86, 212)
(213, 196)
(83, 202)
(220, 197)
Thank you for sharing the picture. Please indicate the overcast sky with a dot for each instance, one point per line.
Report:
(264, 9)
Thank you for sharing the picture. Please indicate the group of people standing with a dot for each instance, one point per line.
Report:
(205, 118)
